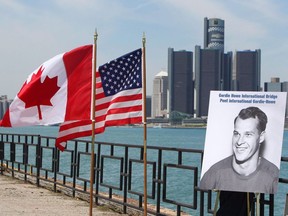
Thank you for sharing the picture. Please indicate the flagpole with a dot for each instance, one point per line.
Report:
(144, 124)
(93, 100)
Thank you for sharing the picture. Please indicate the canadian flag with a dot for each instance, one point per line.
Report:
(59, 90)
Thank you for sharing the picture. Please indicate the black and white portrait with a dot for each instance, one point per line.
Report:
(243, 141)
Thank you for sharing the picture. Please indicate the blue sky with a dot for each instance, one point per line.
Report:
(34, 31)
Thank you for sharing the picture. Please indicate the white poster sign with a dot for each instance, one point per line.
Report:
(243, 141)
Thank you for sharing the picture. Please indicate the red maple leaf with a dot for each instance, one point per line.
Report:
(36, 93)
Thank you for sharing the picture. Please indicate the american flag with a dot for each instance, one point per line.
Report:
(118, 99)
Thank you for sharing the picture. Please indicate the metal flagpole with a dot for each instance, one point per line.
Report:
(144, 123)
(93, 100)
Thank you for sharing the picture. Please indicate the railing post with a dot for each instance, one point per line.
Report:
(75, 167)
(201, 203)
(271, 207)
(159, 182)
(125, 180)
(25, 157)
(141, 158)
(262, 201)
(2, 148)
(97, 173)
(38, 160)
(12, 154)
(55, 166)
(286, 206)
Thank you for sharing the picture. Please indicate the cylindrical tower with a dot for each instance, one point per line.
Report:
(214, 33)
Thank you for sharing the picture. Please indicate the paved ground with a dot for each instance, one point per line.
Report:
(20, 198)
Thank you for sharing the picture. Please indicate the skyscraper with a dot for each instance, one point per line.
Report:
(214, 34)
(159, 96)
(212, 72)
(284, 88)
(4, 105)
(148, 106)
(276, 86)
(226, 75)
(212, 66)
(180, 81)
(247, 70)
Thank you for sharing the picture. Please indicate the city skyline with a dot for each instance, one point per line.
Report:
(32, 32)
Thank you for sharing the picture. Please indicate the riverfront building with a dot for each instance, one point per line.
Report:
(4, 105)
(247, 70)
(212, 66)
(148, 106)
(276, 86)
(208, 69)
(159, 96)
(180, 82)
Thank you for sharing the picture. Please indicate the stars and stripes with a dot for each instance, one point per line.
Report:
(122, 74)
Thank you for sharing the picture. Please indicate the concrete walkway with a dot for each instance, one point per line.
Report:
(21, 198)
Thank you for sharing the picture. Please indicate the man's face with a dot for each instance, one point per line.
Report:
(246, 139)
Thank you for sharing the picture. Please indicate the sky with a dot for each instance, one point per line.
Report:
(34, 31)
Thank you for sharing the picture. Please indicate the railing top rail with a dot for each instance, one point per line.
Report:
(116, 144)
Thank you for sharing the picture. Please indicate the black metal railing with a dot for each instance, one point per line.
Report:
(172, 173)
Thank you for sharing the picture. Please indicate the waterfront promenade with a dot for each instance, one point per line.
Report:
(23, 198)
